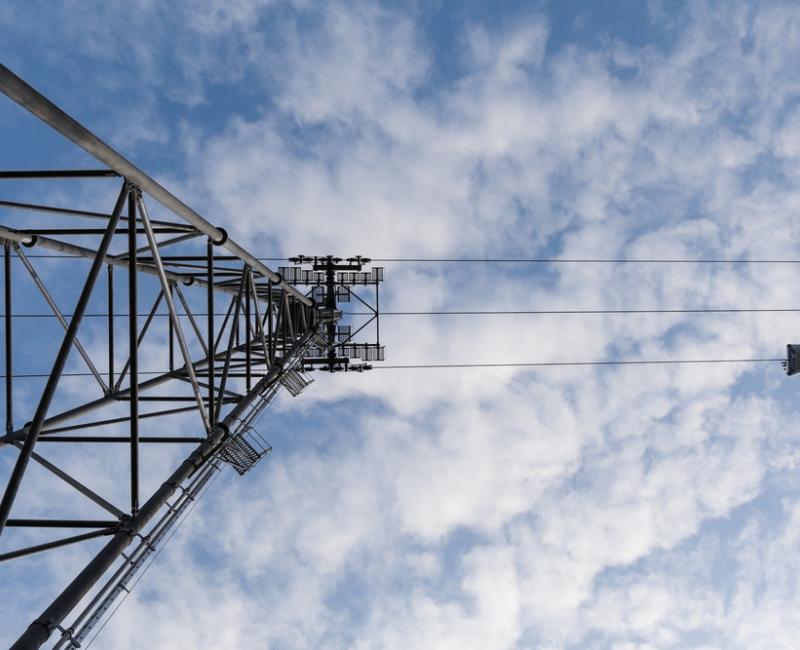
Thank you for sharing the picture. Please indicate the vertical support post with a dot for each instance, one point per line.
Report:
(171, 332)
(133, 344)
(211, 346)
(110, 327)
(247, 337)
(330, 305)
(270, 330)
(236, 331)
(378, 314)
(229, 352)
(284, 329)
(37, 422)
(9, 347)
(292, 311)
(302, 317)
(259, 328)
(218, 339)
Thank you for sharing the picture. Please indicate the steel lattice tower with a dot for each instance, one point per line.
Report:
(224, 372)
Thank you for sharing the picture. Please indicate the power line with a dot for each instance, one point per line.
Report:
(547, 364)
(576, 260)
(99, 315)
(531, 364)
(526, 260)
(577, 311)
(74, 374)
(733, 310)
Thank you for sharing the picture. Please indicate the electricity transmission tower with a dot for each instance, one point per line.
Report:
(221, 369)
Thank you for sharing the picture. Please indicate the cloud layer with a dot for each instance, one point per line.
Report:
(620, 508)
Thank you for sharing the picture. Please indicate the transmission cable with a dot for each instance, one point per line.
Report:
(564, 260)
(519, 260)
(528, 364)
(575, 312)
(549, 364)
(480, 312)
(44, 375)
(580, 260)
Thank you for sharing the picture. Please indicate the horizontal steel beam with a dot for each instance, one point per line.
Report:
(158, 439)
(58, 246)
(103, 423)
(30, 550)
(81, 232)
(60, 173)
(61, 418)
(52, 209)
(61, 523)
(33, 101)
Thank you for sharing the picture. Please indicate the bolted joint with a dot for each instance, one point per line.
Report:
(125, 526)
(197, 459)
(68, 633)
(328, 315)
(147, 541)
(133, 188)
(223, 237)
(226, 430)
(47, 623)
(359, 367)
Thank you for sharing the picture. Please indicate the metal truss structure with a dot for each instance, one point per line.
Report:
(221, 369)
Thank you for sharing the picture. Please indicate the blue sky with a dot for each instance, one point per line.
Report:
(563, 508)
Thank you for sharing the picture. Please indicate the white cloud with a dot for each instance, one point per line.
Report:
(502, 508)
(362, 60)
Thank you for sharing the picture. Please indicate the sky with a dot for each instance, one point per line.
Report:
(597, 507)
